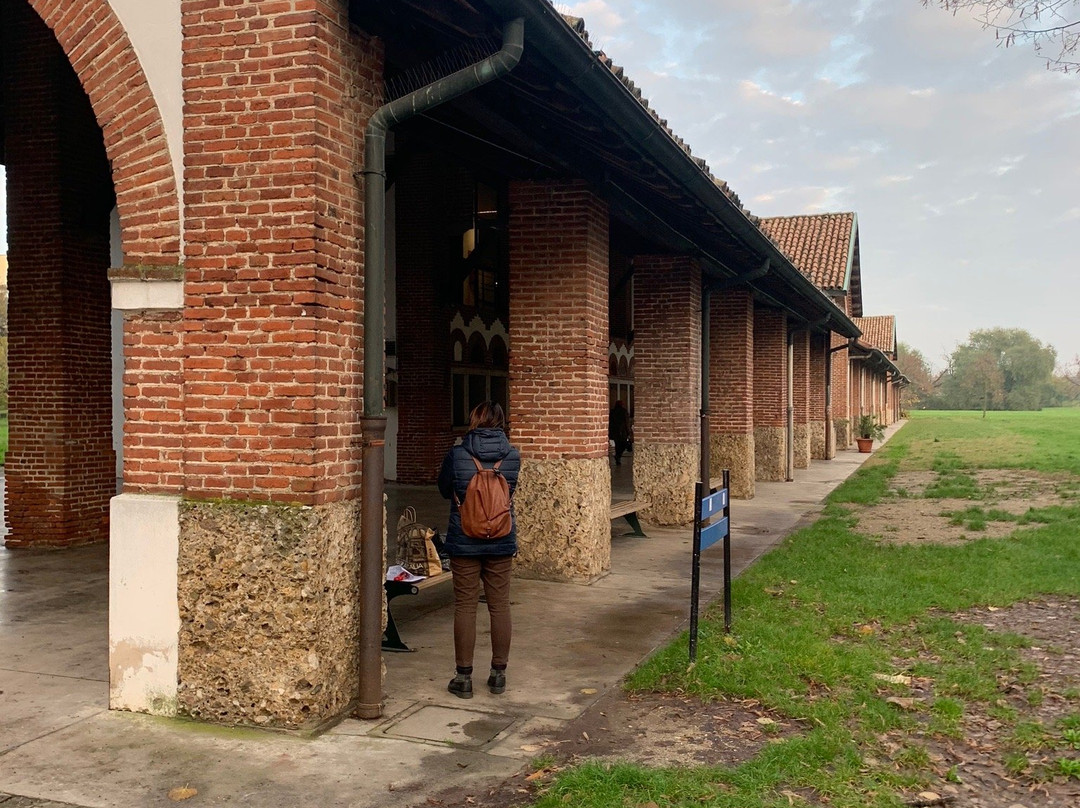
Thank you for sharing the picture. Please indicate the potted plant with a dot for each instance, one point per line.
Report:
(867, 430)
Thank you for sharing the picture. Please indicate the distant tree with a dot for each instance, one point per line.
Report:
(1052, 27)
(914, 366)
(999, 368)
(1066, 384)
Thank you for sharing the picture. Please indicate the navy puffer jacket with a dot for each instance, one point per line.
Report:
(488, 446)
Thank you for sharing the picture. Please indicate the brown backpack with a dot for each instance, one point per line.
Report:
(485, 512)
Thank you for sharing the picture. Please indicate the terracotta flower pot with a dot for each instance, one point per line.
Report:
(865, 444)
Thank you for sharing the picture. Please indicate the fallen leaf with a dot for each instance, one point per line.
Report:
(530, 747)
(588, 691)
(182, 793)
(765, 721)
(898, 679)
(585, 735)
(903, 703)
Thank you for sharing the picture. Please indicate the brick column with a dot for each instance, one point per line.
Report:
(819, 450)
(841, 394)
(60, 468)
(770, 394)
(558, 379)
(731, 389)
(667, 377)
(801, 397)
(273, 130)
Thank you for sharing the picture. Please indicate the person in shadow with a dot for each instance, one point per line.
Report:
(619, 429)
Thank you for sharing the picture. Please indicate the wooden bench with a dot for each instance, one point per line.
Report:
(628, 509)
(391, 640)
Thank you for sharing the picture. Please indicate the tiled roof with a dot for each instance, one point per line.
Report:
(878, 332)
(578, 24)
(819, 245)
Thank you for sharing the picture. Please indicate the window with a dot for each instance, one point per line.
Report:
(471, 388)
(484, 254)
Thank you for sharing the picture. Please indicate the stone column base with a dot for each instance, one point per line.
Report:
(770, 453)
(269, 610)
(144, 619)
(664, 476)
(735, 452)
(801, 454)
(562, 509)
(818, 449)
(842, 430)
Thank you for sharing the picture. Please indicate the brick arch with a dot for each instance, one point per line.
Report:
(100, 52)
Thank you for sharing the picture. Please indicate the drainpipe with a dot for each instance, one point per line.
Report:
(790, 477)
(706, 447)
(373, 424)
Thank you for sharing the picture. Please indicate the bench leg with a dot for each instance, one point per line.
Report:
(632, 520)
(391, 640)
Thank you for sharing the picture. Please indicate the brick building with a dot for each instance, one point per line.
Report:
(302, 238)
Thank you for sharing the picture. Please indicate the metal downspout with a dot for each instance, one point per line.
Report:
(706, 447)
(373, 424)
(790, 475)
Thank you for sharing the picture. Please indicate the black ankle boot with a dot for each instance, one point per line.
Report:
(461, 686)
(497, 681)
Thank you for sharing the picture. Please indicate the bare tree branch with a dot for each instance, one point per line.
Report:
(1052, 27)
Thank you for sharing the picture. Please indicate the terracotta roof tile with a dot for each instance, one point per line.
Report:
(817, 245)
(878, 332)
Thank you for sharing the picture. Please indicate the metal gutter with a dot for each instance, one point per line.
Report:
(577, 62)
(373, 424)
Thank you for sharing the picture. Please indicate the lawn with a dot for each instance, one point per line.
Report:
(825, 616)
(3, 437)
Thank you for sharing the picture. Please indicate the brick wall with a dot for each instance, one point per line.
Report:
(841, 400)
(558, 318)
(276, 96)
(818, 343)
(60, 467)
(667, 349)
(731, 368)
(770, 359)
(154, 433)
(801, 375)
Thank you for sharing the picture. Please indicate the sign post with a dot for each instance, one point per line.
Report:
(712, 522)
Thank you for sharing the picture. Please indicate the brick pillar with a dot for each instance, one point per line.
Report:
(731, 389)
(801, 397)
(667, 378)
(770, 394)
(558, 379)
(273, 130)
(819, 449)
(60, 468)
(841, 394)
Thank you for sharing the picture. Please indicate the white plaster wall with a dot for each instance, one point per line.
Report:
(144, 617)
(153, 26)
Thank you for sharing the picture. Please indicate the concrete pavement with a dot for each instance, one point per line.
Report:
(59, 744)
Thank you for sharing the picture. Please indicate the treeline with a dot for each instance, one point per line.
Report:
(996, 369)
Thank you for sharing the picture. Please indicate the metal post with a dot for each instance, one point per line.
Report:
(727, 554)
(695, 571)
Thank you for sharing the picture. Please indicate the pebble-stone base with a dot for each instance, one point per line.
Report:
(770, 453)
(562, 508)
(801, 442)
(664, 476)
(269, 613)
(735, 452)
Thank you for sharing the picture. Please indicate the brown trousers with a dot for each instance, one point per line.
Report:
(469, 571)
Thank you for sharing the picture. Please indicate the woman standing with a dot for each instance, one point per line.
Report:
(474, 560)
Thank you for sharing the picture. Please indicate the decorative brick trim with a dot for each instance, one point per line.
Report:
(100, 52)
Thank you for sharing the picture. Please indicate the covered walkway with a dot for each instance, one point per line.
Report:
(59, 742)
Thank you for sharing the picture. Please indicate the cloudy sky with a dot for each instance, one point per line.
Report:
(961, 159)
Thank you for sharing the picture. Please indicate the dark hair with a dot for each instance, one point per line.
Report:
(487, 415)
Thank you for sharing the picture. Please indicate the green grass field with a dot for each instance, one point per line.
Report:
(3, 437)
(817, 618)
